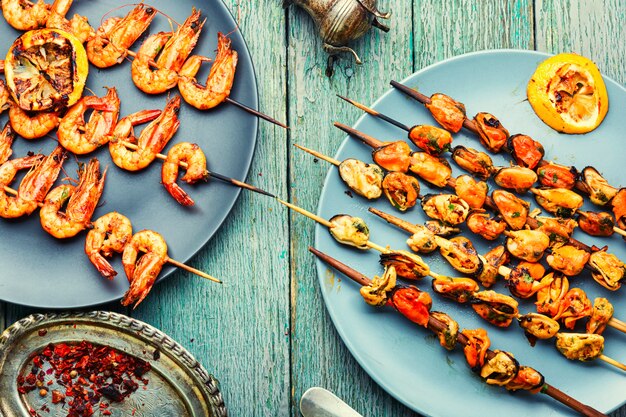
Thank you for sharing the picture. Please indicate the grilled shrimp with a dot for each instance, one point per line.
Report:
(78, 25)
(5, 97)
(150, 142)
(82, 137)
(196, 170)
(218, 83)
(10, 206)
(143, 271)
(110, 234)
(110, 44)
(81, 203)
(7, 136)
(174, 50)
(24, 14)
(32, 125)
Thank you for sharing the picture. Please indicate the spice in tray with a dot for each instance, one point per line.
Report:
(90, 377)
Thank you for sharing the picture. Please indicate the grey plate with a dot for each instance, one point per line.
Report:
(406, 360)
(178, 384)
(39, 270)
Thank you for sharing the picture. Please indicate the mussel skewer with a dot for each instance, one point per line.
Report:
(227, 99)
(438, 326)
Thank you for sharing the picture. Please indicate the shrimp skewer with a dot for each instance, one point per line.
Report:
(110, 44)
(24, 14)
(7, 136)
(109, 234)
(78, 25)
(82, 137)
(173, 50)
(81, 203)
(5, 97)
(32, 125)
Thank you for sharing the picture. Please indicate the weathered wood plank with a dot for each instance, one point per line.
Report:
(592, 29)
(240, 330)
(319, 357)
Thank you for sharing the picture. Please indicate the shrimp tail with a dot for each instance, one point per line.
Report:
(103, 266)
(179, 194)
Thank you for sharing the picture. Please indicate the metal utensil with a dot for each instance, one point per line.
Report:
(319, 402)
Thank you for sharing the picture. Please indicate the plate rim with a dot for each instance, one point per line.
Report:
(169, 271)
(321, 267)
(209, 385)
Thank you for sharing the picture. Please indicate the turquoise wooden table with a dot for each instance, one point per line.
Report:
(265, 334)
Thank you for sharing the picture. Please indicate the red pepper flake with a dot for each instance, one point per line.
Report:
(88, 374)
(42, 332)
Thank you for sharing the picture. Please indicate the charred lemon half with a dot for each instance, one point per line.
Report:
(567, 92)
(46, 69)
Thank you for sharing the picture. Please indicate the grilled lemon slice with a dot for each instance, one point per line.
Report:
(567, 92)
(46, 69)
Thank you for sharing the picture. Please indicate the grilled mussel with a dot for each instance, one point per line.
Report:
(498, 309)
(619, 208)
(491, 132)
(558, 201)
(430, 168)
(556, 176)
(476, 347)
(460, 253)
(492, 261)
(527, 379)
(460, 290)
(422, 240)
(500, 369)
(430, 139)
(549, 298)
(538, 326)
(481, 223)
(607, 270)
(598, 188)
(580, 346)
(601, 313)
(513, 210)
(522, 284)
(448, 208)
(440, 228)
(528, 245)
(364, 179)
(393, 156)
(568, 260)
(526, 151)
(377, 292)
(350, 231)
(596, 224)
(516, 178)
(407, 265)
(412, 303)
(448, 336)
(558, 229)
(471, 191)
(473, 161)
(401, 190)
(449, 113)
(574, 306)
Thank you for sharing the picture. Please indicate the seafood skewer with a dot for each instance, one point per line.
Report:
(435, 323)
(519, 178)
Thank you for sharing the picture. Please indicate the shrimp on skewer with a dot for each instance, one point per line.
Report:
(174, 49)
(24, 14)
(82, 137)
(218, 83)
(7, 136)
(78, 25)
(4, 95)
(81, 203)
(32, 125)
(143, 271)
(10, 206)
(110, 234)
(150, 142)
(110, 44)
(196, 170)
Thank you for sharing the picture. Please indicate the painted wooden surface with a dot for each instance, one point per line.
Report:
(266, 334)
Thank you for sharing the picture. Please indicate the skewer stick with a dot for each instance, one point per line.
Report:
(366, 139)
(376, 113)
(211, 174)
(228, 99)
(612, 362)
(318, 155)
(193, 270)
(437, 326)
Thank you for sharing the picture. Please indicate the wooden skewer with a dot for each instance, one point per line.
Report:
(318, 155)
(376, 113)
(437, 326)
(612, 362)
(228, 99)
(211, 174)
(193, 270)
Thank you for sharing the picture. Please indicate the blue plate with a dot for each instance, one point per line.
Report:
(406, 360)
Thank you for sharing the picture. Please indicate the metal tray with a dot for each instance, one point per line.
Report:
(179, 386)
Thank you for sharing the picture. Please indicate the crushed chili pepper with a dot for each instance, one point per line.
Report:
(88, 374)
